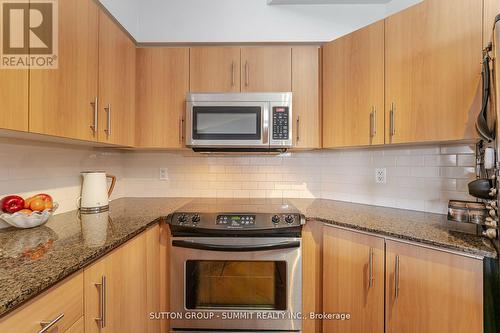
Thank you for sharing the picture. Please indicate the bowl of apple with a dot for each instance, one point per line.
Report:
(26, 213)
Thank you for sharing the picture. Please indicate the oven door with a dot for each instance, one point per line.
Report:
(227, 124)
(236, 283)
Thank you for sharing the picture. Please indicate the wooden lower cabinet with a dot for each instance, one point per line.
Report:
(429, 291)
(65, 299)
(353, 275)
(128, 298)
(78, 327)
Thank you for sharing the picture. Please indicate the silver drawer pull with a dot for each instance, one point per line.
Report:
(102, 300)
(392, 127)
(233, 70)
(47, 325)
(298, 128)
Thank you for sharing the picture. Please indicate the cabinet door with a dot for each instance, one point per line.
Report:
(162, 85)
(14, 99)
(353, 89)
(61, 100)
(266, 69)
(353, 271)
(66, 299)
(215, 69)
(125, 305)
(433, 71)
(431, 291)
(305, 88)
(116, 84)
(491, 10)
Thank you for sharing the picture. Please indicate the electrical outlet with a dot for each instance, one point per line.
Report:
(163, 174)
(381, 175)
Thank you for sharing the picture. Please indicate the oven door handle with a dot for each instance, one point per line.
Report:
(235, 248)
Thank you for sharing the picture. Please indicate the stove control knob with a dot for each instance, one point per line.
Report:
(182, 218)
(289, 219)
(276, 219)
(196, 218)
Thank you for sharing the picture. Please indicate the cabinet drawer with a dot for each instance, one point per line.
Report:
(65, 298)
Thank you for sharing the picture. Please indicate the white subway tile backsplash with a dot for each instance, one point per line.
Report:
(421, 178)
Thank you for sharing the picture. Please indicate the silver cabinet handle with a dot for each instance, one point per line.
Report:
(396, 278)
(102, 302)
(393, 119)
(108, 125)
(47, 325)
(233, 70)
(96, 109)
(370, 268)
(373, 122)
(247, 74)
(298, 128)
(181, 129)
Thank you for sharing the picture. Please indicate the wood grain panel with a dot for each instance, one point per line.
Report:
(65, 298)
(438, 291)
(266, 69)
(312, 277)
(162, 85)
(346, 267)
(353, 88)
(491, 10)
(78, 327)
(215, 69)
(14, 97)
(117, 60)
(126, 296)
(153, 275)
(60, 99)
(433, 71)
(164, 267)
(306, 100)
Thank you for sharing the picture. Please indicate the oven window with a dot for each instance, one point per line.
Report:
(236, 285)
(226, 122)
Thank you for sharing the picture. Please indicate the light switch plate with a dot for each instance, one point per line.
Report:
(163, 174)
(381, 175)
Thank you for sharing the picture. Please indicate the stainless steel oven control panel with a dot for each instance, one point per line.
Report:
(226, 221)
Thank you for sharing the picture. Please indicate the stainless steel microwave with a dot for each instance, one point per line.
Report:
(239, 121)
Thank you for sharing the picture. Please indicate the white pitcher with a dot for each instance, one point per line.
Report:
(95, 192)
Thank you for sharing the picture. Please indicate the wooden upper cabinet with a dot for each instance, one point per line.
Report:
(61, 100)
(433, 71)
(266, 69)
(353, 271)
(353, 89)
(491, 11)
(125, 273)
(14, 99)
(117, 56)
(306, 120)
(162, 85)
(431, 291)
(214, 69)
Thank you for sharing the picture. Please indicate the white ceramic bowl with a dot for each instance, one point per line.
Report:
(23, 221)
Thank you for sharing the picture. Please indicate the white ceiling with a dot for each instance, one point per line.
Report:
(225, 21)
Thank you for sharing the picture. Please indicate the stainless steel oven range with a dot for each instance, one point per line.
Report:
(236, 271)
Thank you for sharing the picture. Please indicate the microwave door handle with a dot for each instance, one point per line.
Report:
(265, 125)
(235, 248)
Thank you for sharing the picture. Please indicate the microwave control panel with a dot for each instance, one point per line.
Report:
(280, 123)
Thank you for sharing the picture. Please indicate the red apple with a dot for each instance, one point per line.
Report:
(12, 203)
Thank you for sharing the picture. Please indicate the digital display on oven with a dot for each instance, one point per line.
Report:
(236, 220)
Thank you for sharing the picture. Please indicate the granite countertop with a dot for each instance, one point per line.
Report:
(33, 260)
